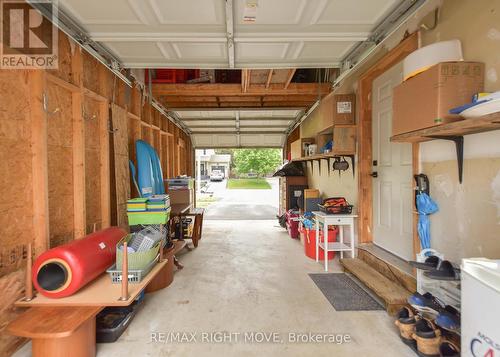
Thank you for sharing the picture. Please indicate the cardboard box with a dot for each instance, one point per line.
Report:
(344, 139)
(424, 101)
(344, 109)
(181, 195)
(311, 193)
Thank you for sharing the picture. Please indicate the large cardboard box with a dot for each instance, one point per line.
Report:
(424, 101)
(181, 195)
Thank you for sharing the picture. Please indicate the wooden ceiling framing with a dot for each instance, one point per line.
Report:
(259, 88)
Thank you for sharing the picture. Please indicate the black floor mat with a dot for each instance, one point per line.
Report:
(343, 293)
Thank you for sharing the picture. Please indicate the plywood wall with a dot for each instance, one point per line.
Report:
(91, 113)
(56, 182)
(16, 211)
(121, 158)
(60, 164)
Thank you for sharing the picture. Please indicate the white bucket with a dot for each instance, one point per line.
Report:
(428, 56)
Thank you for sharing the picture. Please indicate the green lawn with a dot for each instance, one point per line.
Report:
(248, 184)
(204, 202)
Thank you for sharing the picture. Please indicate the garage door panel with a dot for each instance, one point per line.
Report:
(232, 141)
(215, 140)
(261, 140)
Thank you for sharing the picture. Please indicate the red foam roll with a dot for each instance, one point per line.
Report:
(62, 271)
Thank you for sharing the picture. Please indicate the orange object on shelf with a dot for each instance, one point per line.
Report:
(310, 243)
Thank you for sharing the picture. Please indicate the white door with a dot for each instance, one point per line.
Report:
(393, 200)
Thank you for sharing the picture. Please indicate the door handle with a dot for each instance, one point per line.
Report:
(374, 174)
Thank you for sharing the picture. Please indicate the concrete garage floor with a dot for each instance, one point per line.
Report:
(248, 276)
(243, 204)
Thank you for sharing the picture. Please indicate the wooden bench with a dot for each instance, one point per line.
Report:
(58, 331)
(197, 213)
(198, 224)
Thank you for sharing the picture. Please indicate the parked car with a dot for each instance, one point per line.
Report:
(216, 176)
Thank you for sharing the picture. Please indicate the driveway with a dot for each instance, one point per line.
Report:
(243, 204)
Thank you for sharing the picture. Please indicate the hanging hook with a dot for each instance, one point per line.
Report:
(46, 106)
(435, 21)
(110, 127)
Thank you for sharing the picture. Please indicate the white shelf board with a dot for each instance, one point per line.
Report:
(335, 246)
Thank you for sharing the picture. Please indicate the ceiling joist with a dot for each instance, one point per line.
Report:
(172, 106)
(223, 89)
(269, 77)
(291, 72)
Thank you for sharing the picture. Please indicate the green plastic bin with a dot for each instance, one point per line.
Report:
(137, 260)
(147, 218)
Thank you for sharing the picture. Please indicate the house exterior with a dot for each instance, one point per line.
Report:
(208, 161)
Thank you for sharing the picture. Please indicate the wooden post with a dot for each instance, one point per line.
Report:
(29, 284)
(365, 204)
(105, 168)
(79, 205)
(124, 296)
(39, 159)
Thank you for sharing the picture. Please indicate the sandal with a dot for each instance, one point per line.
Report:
(448, 349)
(428, 338)
(430, 263)
(444, 271)
(449, 319)
(406, 320)
(425, 303)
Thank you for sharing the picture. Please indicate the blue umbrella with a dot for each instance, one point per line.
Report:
(425, 207)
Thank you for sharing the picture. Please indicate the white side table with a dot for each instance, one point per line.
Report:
(340, 220)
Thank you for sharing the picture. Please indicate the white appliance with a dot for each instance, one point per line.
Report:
(480, 307)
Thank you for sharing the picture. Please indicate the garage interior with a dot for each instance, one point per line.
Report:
(99, 151)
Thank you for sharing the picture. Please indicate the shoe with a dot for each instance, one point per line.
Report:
(430, 263)
(405, 321)
(444, 271)
(428, 338)
(449, 319)
(425, 303)
(448, 349)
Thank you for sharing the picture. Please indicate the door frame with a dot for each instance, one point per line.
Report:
(365, 192)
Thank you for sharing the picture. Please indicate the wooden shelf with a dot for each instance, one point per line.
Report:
(453, 132)
(100, 292)
(459, 128)
(325, 156)
(344, 125)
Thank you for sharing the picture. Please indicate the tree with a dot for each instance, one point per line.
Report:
(259, 161)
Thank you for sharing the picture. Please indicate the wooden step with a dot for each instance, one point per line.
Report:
(392, 267)
(392, 294)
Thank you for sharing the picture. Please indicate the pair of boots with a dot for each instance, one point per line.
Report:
(423, 336)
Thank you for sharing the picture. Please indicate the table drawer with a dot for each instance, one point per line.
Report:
(340, 221)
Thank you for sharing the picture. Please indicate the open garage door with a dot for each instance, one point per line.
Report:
(238, 128)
